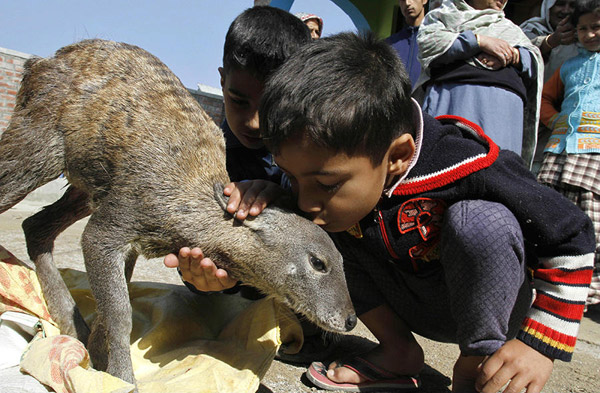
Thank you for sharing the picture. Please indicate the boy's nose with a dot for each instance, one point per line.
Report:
(253, 122)
(308, 205)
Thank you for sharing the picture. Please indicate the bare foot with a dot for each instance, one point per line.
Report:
(402, 361)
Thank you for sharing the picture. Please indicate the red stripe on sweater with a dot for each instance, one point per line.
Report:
(569, 311)
(549, 333)
(455, 174)
(557, 276)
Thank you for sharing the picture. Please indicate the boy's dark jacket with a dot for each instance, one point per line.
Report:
(457, 162)
(248, 164)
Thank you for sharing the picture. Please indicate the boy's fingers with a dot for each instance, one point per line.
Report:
(234, 201)
(268, 194)
(209, 271)
(496, 382)
(259, 205)
(184, 252)
(224, 279)
(196, 253)
(171, 261)
(247, 198)
(183, 259)
(229, 188)
(487, 370)
(241, 199)
(535, 386)
(518, 383)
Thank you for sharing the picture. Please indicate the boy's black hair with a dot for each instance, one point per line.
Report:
(582, 7)
(346, 92)
(261, 38)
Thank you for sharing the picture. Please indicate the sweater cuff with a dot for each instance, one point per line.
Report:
(552, 322)
(549, 342)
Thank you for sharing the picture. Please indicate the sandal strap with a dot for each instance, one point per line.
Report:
(366, 369)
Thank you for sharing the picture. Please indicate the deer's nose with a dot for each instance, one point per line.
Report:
(351, 322)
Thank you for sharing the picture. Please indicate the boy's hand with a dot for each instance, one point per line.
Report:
(201, 272)
(517, 363)
(250, 197)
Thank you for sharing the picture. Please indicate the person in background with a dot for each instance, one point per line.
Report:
(313, 22)
(405, 40)
(479, 65)
(554, 34)
(571, 109)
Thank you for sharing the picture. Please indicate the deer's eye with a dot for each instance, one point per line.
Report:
(318, 264)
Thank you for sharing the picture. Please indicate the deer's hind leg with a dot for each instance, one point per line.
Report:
(41, 230)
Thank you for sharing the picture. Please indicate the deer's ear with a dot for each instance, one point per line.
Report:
(222, 200)
(220, 197)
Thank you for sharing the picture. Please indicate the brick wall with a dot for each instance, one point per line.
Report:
(11, 71)
(211, 99)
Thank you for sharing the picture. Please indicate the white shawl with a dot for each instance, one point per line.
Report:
(443, 25)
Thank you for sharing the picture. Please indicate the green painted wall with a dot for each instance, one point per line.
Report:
(381, 15)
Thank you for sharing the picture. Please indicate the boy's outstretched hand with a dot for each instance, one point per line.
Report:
(517, 363)
(250, 197)
(201, 272)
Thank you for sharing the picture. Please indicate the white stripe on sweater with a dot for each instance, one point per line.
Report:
(554, 323)
(569, 262)
(566, 293)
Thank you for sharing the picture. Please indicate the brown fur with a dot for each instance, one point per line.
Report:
(148, 164)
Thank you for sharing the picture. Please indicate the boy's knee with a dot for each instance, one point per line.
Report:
(482, 219)
(478, 226)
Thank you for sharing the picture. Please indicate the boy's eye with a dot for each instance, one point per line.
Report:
(330, 187)
(238, 100)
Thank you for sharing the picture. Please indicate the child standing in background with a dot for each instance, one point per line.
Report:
(571, 109)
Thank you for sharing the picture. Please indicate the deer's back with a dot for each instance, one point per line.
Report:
(124, 117)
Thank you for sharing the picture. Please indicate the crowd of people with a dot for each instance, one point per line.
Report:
(479, 65)
(444, 229)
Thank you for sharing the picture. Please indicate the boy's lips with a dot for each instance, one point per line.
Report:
(319, 221)
(254, 138)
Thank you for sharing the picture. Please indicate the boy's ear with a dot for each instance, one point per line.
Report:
(222, 73)
(400, 153)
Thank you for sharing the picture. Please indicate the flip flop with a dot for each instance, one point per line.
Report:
(376, 377)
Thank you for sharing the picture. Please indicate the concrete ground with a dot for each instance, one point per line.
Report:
(581, 375)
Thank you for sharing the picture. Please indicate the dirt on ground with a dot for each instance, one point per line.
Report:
(581, 375)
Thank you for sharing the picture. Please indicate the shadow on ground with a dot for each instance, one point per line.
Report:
(594, 313)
